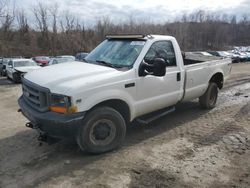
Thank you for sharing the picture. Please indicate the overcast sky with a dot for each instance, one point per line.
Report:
(154, 10)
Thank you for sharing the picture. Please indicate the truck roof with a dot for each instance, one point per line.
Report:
(138, 36)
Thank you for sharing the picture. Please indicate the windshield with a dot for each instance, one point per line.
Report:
(121, 53)
(24, 63)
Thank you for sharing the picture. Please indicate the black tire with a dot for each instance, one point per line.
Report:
(16, 77)
(209, 98)
(102, 124)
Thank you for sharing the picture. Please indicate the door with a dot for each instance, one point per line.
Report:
(153, 92)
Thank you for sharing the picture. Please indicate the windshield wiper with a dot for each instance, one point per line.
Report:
(108, 64)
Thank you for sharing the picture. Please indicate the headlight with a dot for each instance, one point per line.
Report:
(61, 104)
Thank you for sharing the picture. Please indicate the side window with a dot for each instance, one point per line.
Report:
(10, 63)
(161, 49)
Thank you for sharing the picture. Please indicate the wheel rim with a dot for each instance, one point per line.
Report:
(102, 132)
(213, 96)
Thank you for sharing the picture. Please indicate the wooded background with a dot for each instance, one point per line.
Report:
(51, 34)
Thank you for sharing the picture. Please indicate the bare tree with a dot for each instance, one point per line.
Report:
(2, 7)
(41, 15)
(22, 20)
(54, 37)
(59, 32)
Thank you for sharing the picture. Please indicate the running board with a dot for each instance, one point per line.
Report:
(148, 118)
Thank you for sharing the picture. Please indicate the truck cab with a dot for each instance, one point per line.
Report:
(123, 79)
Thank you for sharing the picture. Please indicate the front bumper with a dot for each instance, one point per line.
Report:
(51, 123)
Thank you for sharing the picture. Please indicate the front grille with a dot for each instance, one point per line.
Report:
(36, 96)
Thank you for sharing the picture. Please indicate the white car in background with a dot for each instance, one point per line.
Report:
(17, 67)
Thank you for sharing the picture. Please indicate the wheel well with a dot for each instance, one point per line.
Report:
(218, 79)
(119, 105)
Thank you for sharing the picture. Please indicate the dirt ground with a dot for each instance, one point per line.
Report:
(188, 148)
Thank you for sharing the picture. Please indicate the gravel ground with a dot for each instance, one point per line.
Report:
(188, 148)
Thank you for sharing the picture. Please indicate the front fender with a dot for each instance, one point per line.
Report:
(96, 98)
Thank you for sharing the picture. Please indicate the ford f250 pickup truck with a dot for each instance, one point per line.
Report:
(125, 78)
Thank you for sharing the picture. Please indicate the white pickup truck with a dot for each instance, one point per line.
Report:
(125, 78)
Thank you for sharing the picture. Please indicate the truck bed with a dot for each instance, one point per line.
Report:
(199, 71)
(196, 58)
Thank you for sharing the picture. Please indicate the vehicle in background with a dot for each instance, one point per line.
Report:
(81, 55)
(17, 67)
(55, 61)
(3, 64)
(248, 56)
(214, 53)
(223, 54)
(202, 53)
(67, 56)
(235, 57)
(41, 60)
(242, 56)
(125, 78)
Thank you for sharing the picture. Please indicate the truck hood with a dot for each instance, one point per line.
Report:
(27, 68)
(64, 77)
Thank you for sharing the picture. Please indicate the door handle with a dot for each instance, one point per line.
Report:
(178, 77)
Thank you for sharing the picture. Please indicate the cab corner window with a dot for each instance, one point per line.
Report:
(161, 49)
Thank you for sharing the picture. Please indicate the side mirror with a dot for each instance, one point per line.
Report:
(157, 68)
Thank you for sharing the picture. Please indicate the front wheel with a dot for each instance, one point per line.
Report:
(16, 77)
(209, 98)
(103, 129)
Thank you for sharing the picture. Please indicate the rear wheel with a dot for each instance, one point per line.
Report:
(209, 98)
(103, 129)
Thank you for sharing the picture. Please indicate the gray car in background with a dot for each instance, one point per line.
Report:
(3, 64)
(55, 61)
(67, 57)
(80, 56)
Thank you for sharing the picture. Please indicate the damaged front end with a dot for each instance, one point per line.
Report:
(17, 76)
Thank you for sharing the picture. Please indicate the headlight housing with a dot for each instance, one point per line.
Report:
(61, 104)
